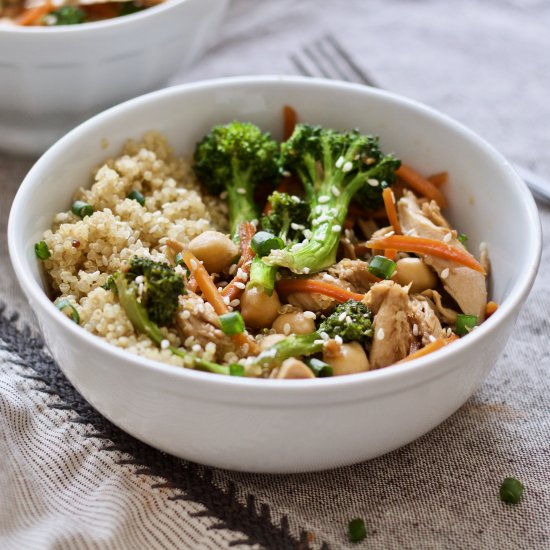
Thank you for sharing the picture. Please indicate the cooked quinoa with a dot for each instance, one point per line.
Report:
(85, 252)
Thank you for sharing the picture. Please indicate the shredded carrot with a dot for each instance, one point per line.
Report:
(246, 232)
(288, 286)
(431, 347)
(490, 308)
(390, 253)
(206, 284)
(290, 118)
(32, 16)
(439, 179)
(211, 294)
(429, 247)
(391, 212)
(421, 185)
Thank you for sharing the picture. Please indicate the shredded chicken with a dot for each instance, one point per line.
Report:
(465, 285)
(445, 314)
(427, 323)
(197, 319)
(392, 333)
(354, 273)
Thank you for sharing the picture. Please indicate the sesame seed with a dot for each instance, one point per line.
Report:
(196, 348)
(240, 285)
(445, 273)
(305, 270)
(185, 314)
(235, 302)
(286, 329)
(232, 269)
(323, 199)
(324, 336)
(317, 342)
(336, 228)
(432, 338)
(309, 315)
(308, 233)
(342, 316)
(373, 183)
(347, 167)
(380, 334)
(295, 198)
(338, 339)
(415, 329)
(210, 347)
(297, 226)
(335, 191)
(447, 237)
(140, 279)
(340, 162)
(241, 190)
(226, 300)
(189, 341)
(164, 344)
(286, 173)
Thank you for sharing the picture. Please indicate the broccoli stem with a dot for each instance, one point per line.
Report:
(319, 252)
(240, 199)
(262, 275)
(141, 323)
(294, 346)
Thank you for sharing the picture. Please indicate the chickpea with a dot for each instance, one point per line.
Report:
(215, 249)
(415, 271)
(258, 309)
(270, 340)
(351, 359)
(293, 369)
(294, 322)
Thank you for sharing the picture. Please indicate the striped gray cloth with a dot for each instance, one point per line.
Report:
(69, 479)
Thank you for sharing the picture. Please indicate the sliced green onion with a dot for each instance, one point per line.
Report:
(236, 370)
(135, 195)
(357, 530)
(68, 309)
(382, 267)
(319, 368)
(511, 490)
(82, 209)
(465, 324)
(463, 238)
(263, 243)
(232, 323)
(42, 251)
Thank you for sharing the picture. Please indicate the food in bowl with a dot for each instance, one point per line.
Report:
(320, 256)
(50, 14)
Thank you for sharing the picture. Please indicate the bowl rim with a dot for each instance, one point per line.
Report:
(92, 25)
(427, 367)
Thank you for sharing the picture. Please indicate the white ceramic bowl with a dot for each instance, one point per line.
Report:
(285, 425)
(54, 78)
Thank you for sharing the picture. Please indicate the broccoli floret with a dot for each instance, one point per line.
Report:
(158, 287)
(161, 284)
(65, 15)
(286, 219)
(286, 210)
(236, 158)
(358, 328)
(352, 321)
(333, 167)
